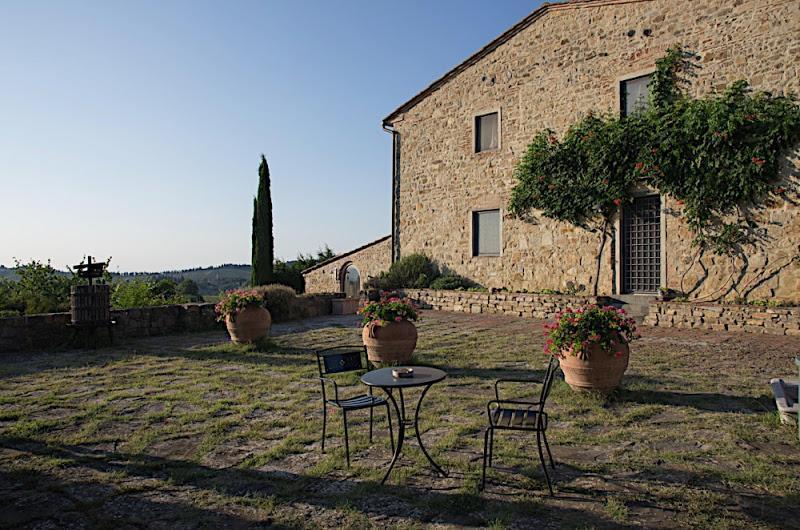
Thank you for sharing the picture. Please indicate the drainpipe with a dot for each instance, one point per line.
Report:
(395, 137)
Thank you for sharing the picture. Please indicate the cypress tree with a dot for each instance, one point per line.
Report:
(263, 255)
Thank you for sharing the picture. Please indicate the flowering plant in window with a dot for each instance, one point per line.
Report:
(575, 330)
(388, 309)
(233, 301)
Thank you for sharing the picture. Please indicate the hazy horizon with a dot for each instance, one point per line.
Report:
(134, 130)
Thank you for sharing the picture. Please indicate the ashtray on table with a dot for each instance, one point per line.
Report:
(403, 372)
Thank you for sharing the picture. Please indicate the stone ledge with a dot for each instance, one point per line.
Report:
(527, 305)
(50, 330)
(721, 317)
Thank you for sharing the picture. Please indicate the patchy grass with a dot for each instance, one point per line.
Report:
(196, 429)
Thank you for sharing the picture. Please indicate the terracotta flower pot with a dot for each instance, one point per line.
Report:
(393, 342)
(599, 370)
(249, 324)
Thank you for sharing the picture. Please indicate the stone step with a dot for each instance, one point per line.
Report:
(636, 305)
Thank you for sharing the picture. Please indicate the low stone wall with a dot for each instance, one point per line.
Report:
(311, 305)
(37, 332)
(541, 306)
(751, 319)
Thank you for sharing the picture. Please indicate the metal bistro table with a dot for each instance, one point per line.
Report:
(423, 377)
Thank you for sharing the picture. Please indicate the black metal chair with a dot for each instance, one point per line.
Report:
(520, 415)
(341, 359)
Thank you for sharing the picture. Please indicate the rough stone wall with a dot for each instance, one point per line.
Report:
(370, 261)
(50, 331)
(774, 321)
(567, 63)
(541, 306)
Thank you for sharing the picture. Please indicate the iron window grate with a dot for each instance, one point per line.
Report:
(641, 245)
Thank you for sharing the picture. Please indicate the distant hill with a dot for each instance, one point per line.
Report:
(7, 274)
(210, 280)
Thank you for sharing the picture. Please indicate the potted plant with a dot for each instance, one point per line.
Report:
(389, 334)
(592, 344)
(245, 317)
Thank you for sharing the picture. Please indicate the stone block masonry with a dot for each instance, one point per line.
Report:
(370, 260)
(750, 319)
(569, 61)
(50, 331)
(538, 306)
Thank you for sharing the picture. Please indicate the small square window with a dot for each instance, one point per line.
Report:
(487, 132)
(486, 233)
(635, 94)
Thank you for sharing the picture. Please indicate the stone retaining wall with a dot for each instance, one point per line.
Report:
(541, 306)
(751, 319)
(36, 332)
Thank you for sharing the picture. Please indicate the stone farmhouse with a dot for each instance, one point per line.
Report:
(456, 144)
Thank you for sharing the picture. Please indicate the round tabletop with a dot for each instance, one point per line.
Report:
(423, 375)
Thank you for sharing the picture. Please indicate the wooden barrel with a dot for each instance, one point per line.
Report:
(90, 305)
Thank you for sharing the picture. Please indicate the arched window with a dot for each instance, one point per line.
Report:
(351, 281)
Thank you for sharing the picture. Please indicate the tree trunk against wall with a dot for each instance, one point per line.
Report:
(599, 256)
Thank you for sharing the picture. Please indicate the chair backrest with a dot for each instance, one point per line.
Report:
(340, 359)
(547, 382)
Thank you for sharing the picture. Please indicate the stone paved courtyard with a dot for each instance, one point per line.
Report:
(189, 431)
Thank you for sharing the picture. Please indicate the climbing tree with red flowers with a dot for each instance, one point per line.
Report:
(718, 155)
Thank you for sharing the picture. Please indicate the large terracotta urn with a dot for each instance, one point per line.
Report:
(596, 369)
(249, 324)
(390, 343)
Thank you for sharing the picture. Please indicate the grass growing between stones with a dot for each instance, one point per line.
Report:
(195, 431)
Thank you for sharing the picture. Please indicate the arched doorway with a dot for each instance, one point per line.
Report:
(351, 281)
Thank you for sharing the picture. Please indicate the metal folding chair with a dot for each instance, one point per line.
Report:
(338, 360)
(520, 415)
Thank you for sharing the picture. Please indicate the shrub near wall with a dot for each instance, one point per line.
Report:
(751, 319)
(541, 306)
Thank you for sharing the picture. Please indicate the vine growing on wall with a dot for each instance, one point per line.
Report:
(719, 156)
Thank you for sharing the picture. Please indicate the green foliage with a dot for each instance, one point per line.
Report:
(718, 155)
(145, 293)
(415, 271)
(581, 179)
(189, 289)
(386, 310)
(576, 329)
(39, 289)
(232, 301)
(165, 288)
(305, 261)
(277, 299)
(452, 282)
(262, 238)
(291, 273)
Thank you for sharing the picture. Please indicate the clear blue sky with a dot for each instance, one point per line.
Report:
(150, 117)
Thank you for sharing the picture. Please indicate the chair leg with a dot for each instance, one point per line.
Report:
(547, 446)
(491, 447)
(346, 439)
(541, 460)
(370, 424)
(389, 419)
(324, 424)
(485, 457)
